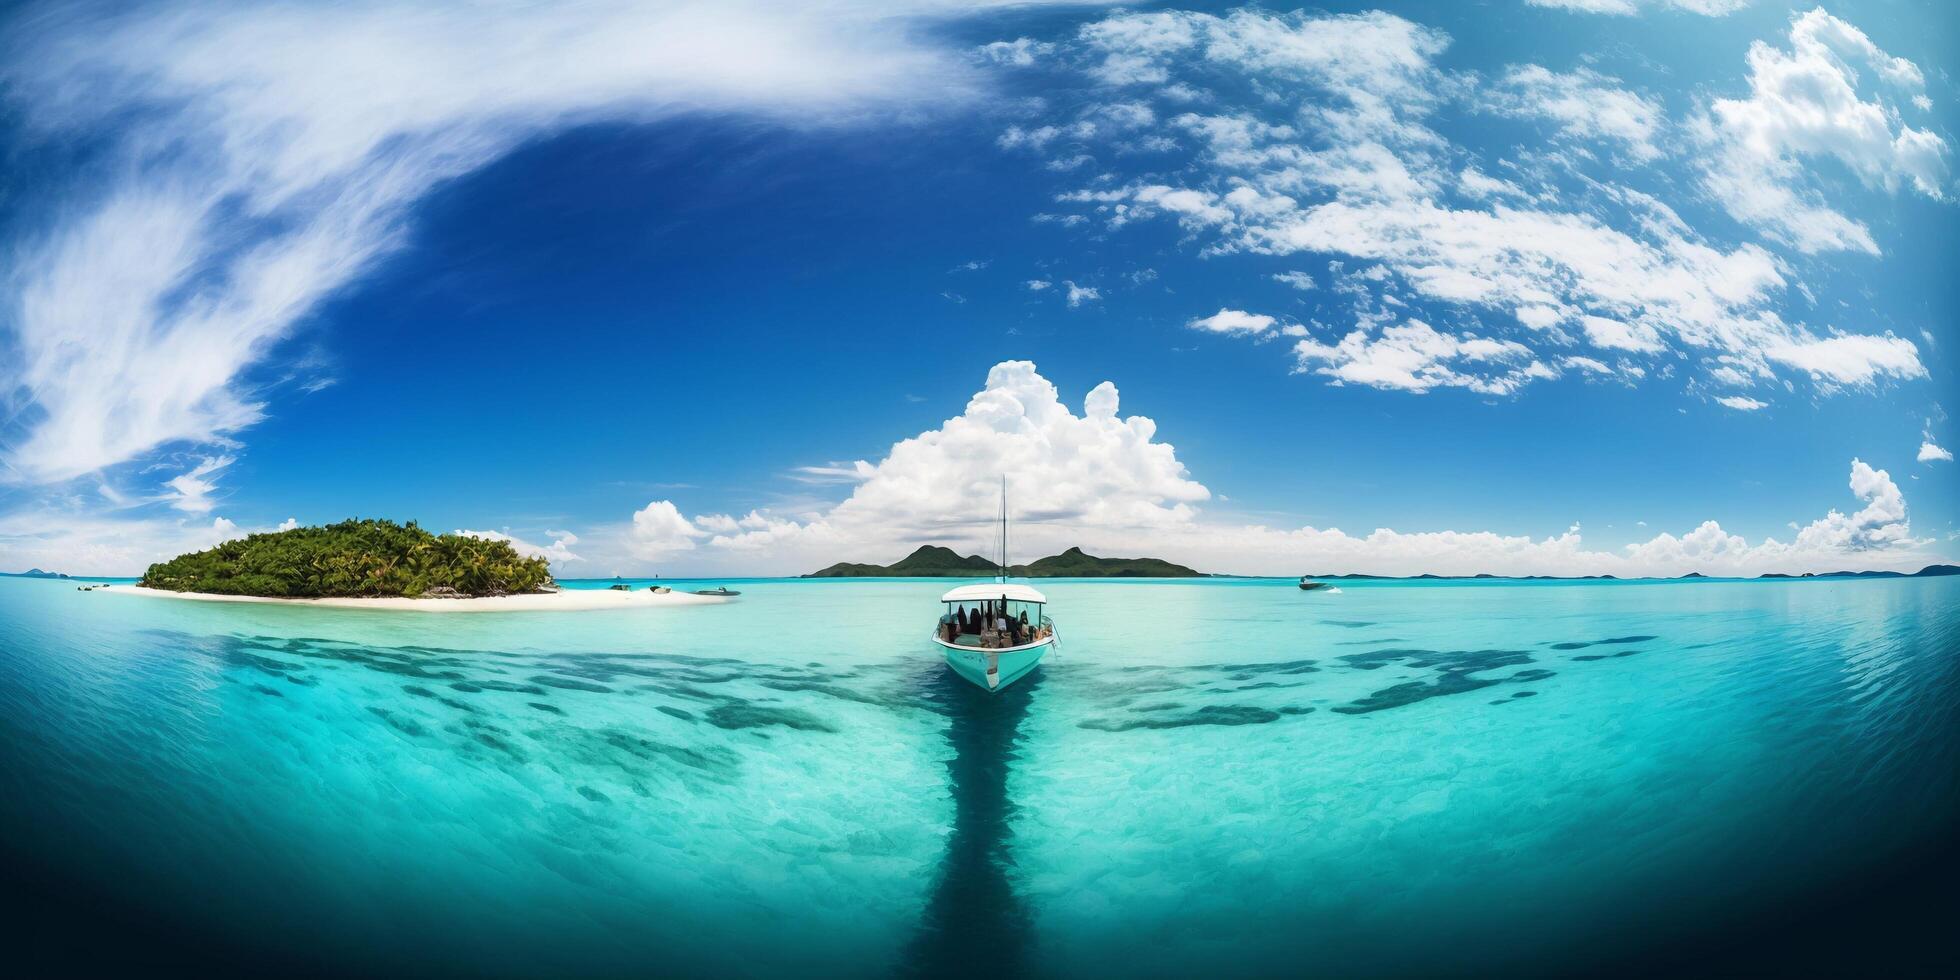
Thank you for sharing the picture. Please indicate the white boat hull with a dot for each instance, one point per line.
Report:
(991, 670)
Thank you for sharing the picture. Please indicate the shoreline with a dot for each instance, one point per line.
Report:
(564, 600)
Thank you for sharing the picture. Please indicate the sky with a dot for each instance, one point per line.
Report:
(1633, 287)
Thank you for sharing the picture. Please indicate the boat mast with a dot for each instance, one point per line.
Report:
(1003, 528)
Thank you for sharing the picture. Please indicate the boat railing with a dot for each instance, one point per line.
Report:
(990, 639)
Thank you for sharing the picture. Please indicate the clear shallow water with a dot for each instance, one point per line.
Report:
(1227, 777)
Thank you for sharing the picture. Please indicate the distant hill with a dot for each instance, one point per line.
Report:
(34, 573)
(930, 561)
(933, 561)
(1074, 563)
(1930, 571)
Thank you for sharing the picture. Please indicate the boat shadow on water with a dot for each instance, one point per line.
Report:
(974, 923)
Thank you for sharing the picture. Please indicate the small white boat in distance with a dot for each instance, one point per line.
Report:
(993, 633)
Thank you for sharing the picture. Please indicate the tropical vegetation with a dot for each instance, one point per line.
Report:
(354, 558)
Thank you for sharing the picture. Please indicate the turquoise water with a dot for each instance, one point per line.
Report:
(1221, 777)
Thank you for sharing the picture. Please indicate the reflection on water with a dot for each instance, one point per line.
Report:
(974, 923)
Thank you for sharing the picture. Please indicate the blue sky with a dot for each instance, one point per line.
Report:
(1541, 288)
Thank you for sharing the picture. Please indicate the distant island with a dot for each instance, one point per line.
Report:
(1930, 571)
(33, 573)
(354, 559)
(933, 561)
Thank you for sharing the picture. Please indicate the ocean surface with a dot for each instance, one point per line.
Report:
(1214, 778)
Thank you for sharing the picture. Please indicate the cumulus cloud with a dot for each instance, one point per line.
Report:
(1930, 453)
(1804, 103)
(658, 531)
(1880, 524)
(259, 158)
(1741, 404)
(1104, 482)
(1078, 295)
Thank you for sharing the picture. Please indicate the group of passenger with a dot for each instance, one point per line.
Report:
(992, 624)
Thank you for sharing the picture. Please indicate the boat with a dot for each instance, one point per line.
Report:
(1308, 585)
(970, 632)
(720, 590)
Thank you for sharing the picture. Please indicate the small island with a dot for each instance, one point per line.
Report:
(379, 564)
(365, 559)
(933, 561)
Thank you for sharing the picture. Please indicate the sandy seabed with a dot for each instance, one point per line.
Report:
(564, 600)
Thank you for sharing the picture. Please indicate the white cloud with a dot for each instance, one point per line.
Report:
(1078, 295)
(1038, 138)
(1742, 404)
(1880, 525)
(1332, 154)
(1586, 364)
(1709, 8)
(1298, 280)
(558, 552)
(1929, 453)
(1037, 285)
(65, 538)
(1413, 356)
(1851, 358)
(191, 491)
(1234, 321)
(260, 158)
(852, 472)
(1538, 317)
(1018, 53)
(658, 531)
(1581, 104)
(1478, 184)
(1094, 479)
(288, 524)
(1614, 335)
(1106, 484)
(1804, 102)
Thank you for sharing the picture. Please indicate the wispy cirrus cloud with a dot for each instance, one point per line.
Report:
(254, 159)
(1709, 8)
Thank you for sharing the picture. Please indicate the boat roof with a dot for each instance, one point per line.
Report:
(993, 590)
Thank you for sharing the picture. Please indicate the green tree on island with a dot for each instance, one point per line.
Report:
(354, 558)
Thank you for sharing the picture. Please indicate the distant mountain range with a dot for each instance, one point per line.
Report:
(933, 561)
(33, 573)
(1930, 571)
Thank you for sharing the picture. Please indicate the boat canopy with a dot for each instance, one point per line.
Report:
(993, 590)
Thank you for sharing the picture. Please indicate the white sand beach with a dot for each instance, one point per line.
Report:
(564, 600)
